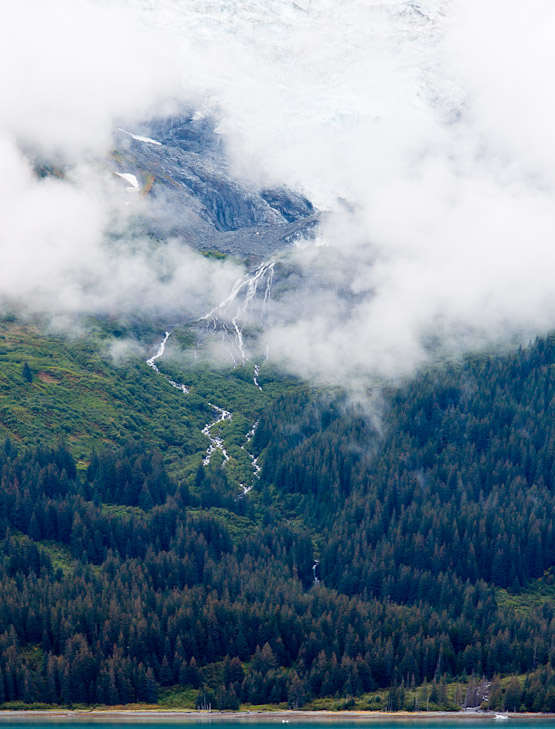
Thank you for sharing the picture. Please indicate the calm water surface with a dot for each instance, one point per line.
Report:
(41, 722)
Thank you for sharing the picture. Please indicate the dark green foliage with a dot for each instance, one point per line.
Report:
(459, 487)
(119, 583)
(26, 373)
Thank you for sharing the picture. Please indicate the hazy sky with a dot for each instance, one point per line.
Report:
(434, 120)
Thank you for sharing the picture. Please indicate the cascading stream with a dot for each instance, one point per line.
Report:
(216, 442)
(314, 567)
(229, 318)
(230, 314)
(254, 461)
(160, 353)
(255, 376)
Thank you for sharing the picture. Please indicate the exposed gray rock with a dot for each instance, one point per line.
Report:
(195, 196)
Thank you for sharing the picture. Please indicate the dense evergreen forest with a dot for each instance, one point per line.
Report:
(399, 558)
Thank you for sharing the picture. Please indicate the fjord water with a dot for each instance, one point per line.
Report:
(341, 722)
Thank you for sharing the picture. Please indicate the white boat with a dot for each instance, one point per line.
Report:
(501, 717)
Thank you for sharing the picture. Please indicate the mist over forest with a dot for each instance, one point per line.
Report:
(276, 355)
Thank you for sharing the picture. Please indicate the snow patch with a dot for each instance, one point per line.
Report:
(131, 179)
(147, 140)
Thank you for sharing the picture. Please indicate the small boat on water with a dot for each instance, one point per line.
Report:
(501, 717)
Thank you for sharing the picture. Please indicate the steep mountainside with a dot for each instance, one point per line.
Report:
(368, 566)
(182, 165)
(201, 198)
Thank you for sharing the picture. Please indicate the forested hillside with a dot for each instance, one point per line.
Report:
(400, 558)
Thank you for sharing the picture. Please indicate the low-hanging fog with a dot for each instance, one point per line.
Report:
(426, 128)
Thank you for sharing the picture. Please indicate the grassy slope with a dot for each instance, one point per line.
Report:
(533, 596)
(79, 394)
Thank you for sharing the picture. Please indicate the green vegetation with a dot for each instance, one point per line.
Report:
(79, 394)
(131, 573)
(215, 254)
(181, 698)
(534, 595)
(77, 390)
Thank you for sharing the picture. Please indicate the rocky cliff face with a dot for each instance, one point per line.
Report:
(182, 165)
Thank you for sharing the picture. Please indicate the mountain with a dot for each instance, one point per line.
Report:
(182, 165)
(404, 563)
(184, 534)
(183, 523)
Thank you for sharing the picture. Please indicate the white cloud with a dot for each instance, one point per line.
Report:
(71, 67)
(74, 69)
(452, 178)
(435, 124)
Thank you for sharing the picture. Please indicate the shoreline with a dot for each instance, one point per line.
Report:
(283, 716)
